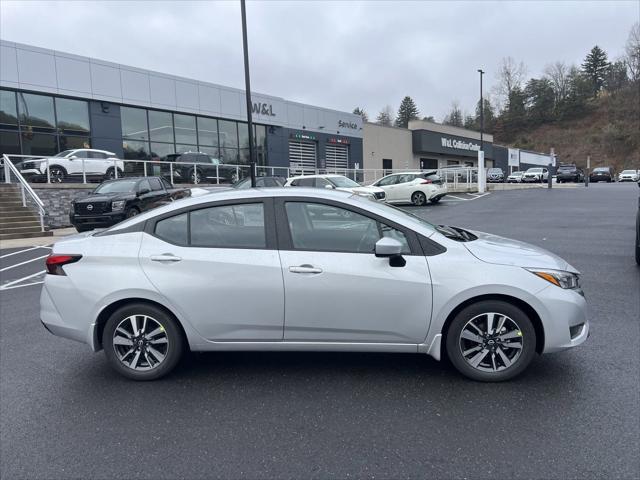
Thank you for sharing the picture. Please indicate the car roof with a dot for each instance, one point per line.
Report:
(91, 150)
(326, 175)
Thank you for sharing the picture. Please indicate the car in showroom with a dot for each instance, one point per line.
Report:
(114, 200)
(336, 182)
(602, 174)
(198, 167)
(569, 172)
(261, 182)
(515, 177)
(495, 175)
(629, 176)
(417, 188)
(73, 165)
(222, 272)
(535, 174)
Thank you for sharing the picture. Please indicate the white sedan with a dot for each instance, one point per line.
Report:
(412, 187)
(629, 176)
(336, 182)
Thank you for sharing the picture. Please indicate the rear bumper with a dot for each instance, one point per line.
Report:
(54, 323)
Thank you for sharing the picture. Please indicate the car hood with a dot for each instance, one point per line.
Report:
(105, 197)
(505, 251)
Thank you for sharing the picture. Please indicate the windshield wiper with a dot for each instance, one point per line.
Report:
(456, 233)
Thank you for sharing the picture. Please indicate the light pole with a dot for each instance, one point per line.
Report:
(247, 87)
(481, 179)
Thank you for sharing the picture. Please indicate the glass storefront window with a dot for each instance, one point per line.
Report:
(160, 126)
(261, 144)
(36, 111)
(8, 111)
(213, 152)
(134, 123)
(39, 144)
(135, 150)
(159, 151)
(228, 133)
(208, 131)
(9, 143)
(70, 143)
(186, 148)
(72, 115)
(244, 156)
(243, 135)
(185, 129)
(229, 155)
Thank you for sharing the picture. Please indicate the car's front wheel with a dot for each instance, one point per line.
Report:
(142, 342)
(491, 341)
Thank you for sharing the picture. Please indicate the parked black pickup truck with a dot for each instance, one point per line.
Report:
(115, 200)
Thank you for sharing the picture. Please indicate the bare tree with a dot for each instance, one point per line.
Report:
(510, 76)
(386, 116)
(558, 74)
(632, 52)
(455, 117)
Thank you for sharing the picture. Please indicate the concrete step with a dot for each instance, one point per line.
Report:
(17, 229)
(10, 236)
(25, 223)
(10, 202)
(5, 210)
(19, 218)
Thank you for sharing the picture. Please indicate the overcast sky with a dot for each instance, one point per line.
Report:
(332, 54)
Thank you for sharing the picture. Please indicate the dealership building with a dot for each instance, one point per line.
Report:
(52, 101)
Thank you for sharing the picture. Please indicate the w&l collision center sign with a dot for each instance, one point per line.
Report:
(425, 142)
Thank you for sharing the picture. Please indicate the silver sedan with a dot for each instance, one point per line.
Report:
(308, 269)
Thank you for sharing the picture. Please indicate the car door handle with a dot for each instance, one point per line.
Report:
(305, 269)
(165, 257)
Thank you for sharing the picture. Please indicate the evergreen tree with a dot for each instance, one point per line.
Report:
(617, 76)
(385, 117)
(470, 122)
(540, 100)
(362, 113)
(579, 91)
(429, 119)
(489, 115)
(407, 111)
(595, 67)
(514, 115)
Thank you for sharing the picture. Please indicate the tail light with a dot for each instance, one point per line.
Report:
(426, 181)
(55, 263)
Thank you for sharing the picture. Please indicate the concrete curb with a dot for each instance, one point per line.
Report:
(58, 233)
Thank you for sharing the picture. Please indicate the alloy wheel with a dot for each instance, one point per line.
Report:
(56, 175)
(418, 198)
(491, 342)
(140, 342)
(195, 177)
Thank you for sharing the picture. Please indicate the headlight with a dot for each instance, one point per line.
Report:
(559, 278)
(118, 205)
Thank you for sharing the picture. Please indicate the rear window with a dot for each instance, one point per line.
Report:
(173, 229)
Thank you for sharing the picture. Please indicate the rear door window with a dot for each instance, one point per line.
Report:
(229, 226)
(173, 229)
(155, 184)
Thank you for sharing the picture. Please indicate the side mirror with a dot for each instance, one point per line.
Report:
(143, 191)
(73, 157)
(329, 187)
(392, 249)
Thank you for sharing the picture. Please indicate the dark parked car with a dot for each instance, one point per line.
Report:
(569, 173)
(602, 174)
(115, 200)
(197, 167)
(261, 182)
(495, 175)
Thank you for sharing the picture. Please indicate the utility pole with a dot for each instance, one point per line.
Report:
(481, 176)
(247, 88)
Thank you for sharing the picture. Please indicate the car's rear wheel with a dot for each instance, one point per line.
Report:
(435, 199)
(195, 175)
(142, 342)
(491, 341)
(418, 199)
(111, 173)
(80, 229)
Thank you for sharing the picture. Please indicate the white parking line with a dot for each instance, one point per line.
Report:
(23, 263)
(458, 198)
(22, 251)
(7, 285)
(20, 286)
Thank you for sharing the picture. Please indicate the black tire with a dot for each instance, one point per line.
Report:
(419, 199)
(110, 174)
(527, 337)
(435, 200)
(80, 229)
(132, 212)
(57, 174)
(172, 352)
(195, 176)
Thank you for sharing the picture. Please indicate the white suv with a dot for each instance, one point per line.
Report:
(412, 187)
(536, 174)
(69, 163)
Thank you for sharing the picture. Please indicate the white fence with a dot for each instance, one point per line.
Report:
(85, 170)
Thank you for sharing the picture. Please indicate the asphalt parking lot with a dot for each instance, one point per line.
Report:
(65, 414)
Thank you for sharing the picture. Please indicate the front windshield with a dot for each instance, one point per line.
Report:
(117, 187)
(343, 182)
(628, 171)
(534, 170)
(63, 154)
(382, 208)
(517, 174)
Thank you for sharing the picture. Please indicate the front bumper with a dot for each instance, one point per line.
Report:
(564, 318)
(102, 220)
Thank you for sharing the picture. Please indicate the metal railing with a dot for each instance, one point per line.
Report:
(79, 170)
(25, 189)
